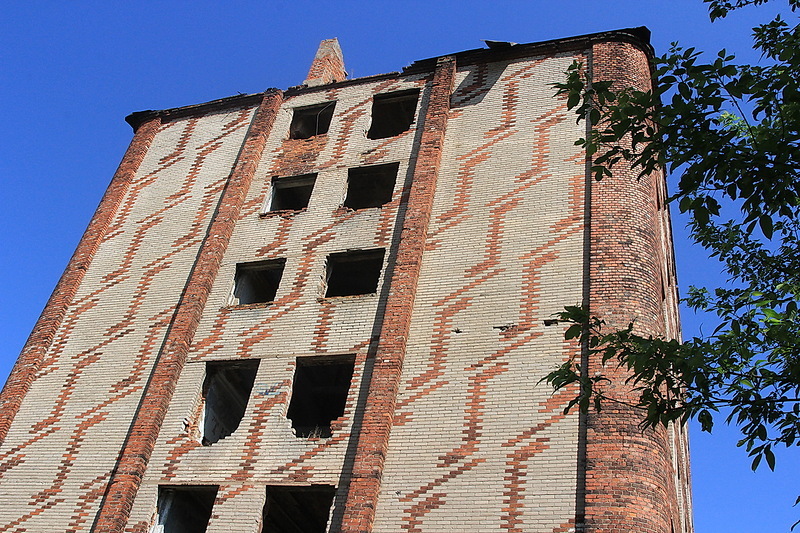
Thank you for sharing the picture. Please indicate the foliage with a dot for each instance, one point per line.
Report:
(731, 133)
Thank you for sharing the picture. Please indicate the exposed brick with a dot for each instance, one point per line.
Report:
(373, 439)
(146, 425)
(26, 367)
(630, 479)
(446, 426)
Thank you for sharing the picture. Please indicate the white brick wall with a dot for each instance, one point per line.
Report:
(71, 426)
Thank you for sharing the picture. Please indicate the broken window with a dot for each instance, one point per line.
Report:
(297, 509)
(184, 509)
(292, 193)
(226, 391)
(392, 113)
(312, 120)
(370, 186)
(319, 393)
(257, 282)
(355, 272)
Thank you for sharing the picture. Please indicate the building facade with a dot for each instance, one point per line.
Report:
(329, 309)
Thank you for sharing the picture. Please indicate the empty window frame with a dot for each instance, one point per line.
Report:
(392, 113)
(184, 509)
(312, 120)
(370, 186)
(257, 282)
(226, 390)
(292, 193)
(297, 509)
(319, 394)
(354, 272)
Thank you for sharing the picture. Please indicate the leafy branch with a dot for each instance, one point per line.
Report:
(730, 134)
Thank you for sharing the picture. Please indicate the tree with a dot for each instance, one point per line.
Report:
(731, 133)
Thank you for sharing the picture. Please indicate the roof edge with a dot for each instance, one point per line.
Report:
(638, 36)
(138, 118)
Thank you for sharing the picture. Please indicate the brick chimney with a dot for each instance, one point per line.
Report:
(328, 65)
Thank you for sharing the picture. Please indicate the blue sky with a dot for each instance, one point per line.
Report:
(71, 71)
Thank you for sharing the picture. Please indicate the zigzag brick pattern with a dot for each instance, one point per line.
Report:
(57, 460)
(503, 253)
(492, 227)
(299, 323)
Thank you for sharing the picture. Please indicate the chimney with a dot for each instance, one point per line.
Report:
(328, 65)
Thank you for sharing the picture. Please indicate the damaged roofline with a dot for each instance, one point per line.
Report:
(639, 36)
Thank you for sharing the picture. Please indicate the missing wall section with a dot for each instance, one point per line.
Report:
(291, 193)
(184, 509)
(226, 391)
(370, 186)
(257, 282)
(355, 272)
(393, 113)
(312, 120)
(297, 509)
(319, 394)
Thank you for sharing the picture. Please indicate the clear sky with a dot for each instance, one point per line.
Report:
(71, 71)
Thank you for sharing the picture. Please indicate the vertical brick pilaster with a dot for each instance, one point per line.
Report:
(138, 447)
(24, 371)
(629, 474)
(373, 440)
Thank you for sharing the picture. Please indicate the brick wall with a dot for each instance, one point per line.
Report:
(299, 323)
(630, 473)
(59, 453)
(446, 426)
(478, 443)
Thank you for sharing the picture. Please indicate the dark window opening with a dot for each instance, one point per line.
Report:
(392, 113)
(185, 509)
(298, 509)
(292, 193)
(352, 273)
(370, 186)
(226, 391)
(310, 121)
(257, 282)
(319, 394)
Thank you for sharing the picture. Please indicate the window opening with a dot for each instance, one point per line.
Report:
(353, 273)
(312, 120)
(226, 391)
(292, 193)
(257, 282)
(370, 186)
(297, 509)
(184, 509)
(392, 113)
(319, 394)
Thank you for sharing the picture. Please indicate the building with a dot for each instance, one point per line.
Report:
(329, 308)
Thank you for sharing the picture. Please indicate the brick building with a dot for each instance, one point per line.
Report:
(328, 309)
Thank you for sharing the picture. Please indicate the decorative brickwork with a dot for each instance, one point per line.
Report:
(485, 231)
(373, 440)
(300, 321)
(71, 425)
(27, 366)
(139, 444)
(485, 437)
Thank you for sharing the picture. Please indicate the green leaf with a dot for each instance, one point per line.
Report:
(765, 222)
(729, 135)
(573, 332)
(770, 457)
